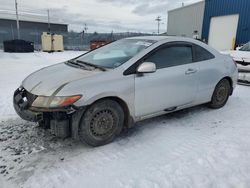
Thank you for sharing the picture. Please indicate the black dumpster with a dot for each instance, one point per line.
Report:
(20, 46)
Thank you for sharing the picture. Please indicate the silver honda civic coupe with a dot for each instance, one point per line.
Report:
(96, 95)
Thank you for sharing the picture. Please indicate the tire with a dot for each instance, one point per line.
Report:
(101, 123)
(221, 94)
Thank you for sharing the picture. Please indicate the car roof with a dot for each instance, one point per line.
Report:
(157, 37)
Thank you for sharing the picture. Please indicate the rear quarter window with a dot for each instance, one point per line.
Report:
(201, 54)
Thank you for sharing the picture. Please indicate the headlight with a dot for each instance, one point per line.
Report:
(49, 102)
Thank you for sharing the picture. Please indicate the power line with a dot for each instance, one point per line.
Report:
(29, 16)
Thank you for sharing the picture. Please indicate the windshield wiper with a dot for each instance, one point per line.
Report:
(76, 64)
(92, 65)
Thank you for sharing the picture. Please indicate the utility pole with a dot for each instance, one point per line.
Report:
(48, 21)
(12, 32)
(85, 28)
(49, 32)
(85, 32)
(17, 21)
(158, 19)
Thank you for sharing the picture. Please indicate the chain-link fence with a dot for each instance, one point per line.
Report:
(32, 31)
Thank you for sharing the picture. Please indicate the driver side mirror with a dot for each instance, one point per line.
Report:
(146, 67)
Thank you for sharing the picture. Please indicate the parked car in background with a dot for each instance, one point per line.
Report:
(241, 55)
(93, 97)
(244, 78)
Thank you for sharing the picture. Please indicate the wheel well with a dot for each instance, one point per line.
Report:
(127, 118)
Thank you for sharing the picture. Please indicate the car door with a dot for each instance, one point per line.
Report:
(209, 72)
(173, 84)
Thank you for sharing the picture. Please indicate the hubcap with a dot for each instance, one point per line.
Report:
(221, 94)
(102, 123)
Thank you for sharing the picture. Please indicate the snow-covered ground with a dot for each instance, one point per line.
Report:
(197, 147)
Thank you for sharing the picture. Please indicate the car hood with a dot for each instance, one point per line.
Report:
(51, 80)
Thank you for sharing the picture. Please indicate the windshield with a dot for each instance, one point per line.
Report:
(115, 54)
(246, 47)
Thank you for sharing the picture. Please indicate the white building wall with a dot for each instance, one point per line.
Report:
(185, 20)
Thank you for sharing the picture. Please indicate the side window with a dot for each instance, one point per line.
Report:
(201, 54)
(171, 56)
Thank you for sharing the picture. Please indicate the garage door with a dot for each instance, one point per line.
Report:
(223, 31)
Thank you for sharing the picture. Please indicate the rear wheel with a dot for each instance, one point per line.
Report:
(101, 123)
(221, 94)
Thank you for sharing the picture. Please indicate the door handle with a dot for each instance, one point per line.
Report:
(190, 71)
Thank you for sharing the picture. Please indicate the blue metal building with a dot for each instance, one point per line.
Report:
(223, 24)
(216, 8)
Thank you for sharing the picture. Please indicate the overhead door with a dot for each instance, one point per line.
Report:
(222, 33)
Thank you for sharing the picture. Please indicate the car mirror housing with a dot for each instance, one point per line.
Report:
(146, 67)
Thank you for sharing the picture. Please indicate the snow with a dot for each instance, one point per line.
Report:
(196, 147)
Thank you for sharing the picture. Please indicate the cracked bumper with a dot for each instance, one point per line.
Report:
(22, 100)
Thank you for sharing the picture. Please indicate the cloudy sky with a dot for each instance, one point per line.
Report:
(100, 15)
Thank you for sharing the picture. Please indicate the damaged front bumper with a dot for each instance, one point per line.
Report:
(22, 101)
(63, 122)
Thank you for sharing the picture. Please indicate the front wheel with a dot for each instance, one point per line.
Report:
(221, 94)
(101, 123)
